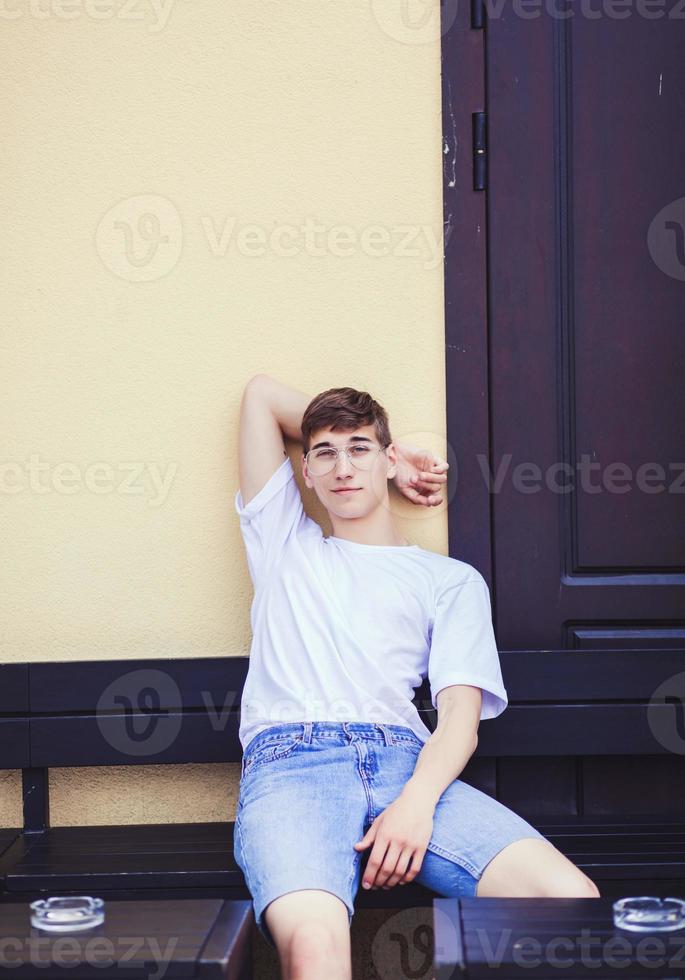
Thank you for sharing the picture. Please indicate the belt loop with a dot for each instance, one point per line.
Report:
(387, 734)
(307, 734)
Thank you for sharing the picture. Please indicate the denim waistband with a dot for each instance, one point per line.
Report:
(350, 731)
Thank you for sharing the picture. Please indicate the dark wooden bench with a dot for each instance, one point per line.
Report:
(568, 710)
(591, 750)
(517, 938)
(126, 713)
(184, 939)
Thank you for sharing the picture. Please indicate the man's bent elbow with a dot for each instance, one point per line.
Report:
(257, 381)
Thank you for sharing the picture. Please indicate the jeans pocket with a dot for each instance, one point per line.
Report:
(270, 750)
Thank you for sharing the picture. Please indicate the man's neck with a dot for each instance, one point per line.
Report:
(377, 528)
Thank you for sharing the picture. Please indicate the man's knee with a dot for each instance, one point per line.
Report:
(575, 885)
(315, 941)
(309, 925)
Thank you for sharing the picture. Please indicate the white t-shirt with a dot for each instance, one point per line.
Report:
(343, 631)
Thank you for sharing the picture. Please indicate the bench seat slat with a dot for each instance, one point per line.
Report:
(172, 832)
(48, 850)
(622, 845)
(609, 825)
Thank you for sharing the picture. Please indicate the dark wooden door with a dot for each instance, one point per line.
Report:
(565, 298)
(565, 356)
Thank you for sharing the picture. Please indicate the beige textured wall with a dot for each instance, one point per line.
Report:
(139, 143)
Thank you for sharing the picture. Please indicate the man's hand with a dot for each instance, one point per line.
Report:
(400, 835)
(420, 474)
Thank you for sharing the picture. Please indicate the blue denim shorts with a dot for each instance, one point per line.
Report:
(310, 790)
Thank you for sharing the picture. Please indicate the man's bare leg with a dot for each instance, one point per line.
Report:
(312, 934)
(531, 867)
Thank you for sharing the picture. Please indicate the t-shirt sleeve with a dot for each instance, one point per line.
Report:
(463, 649)
(270, 519)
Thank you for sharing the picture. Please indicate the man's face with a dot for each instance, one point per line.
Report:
(347, 490)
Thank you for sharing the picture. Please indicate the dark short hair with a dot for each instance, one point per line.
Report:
(341, 409)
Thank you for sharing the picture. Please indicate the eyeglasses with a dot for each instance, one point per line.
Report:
(323, 460)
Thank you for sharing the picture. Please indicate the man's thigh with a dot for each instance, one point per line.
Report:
(469, 828)
(297, 821)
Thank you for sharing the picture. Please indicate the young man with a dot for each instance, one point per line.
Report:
(340, 776)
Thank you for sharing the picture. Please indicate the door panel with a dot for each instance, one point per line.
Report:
(586, 331)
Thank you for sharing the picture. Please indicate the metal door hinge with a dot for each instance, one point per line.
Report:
(477, 15)
(480, 158)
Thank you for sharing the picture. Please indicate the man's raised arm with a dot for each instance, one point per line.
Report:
(269, 411)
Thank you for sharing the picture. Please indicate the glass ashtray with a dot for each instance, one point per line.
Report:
(647, 913)
(67, 913)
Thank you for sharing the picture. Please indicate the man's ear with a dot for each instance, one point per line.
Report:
(305, 473)
(391, 454)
